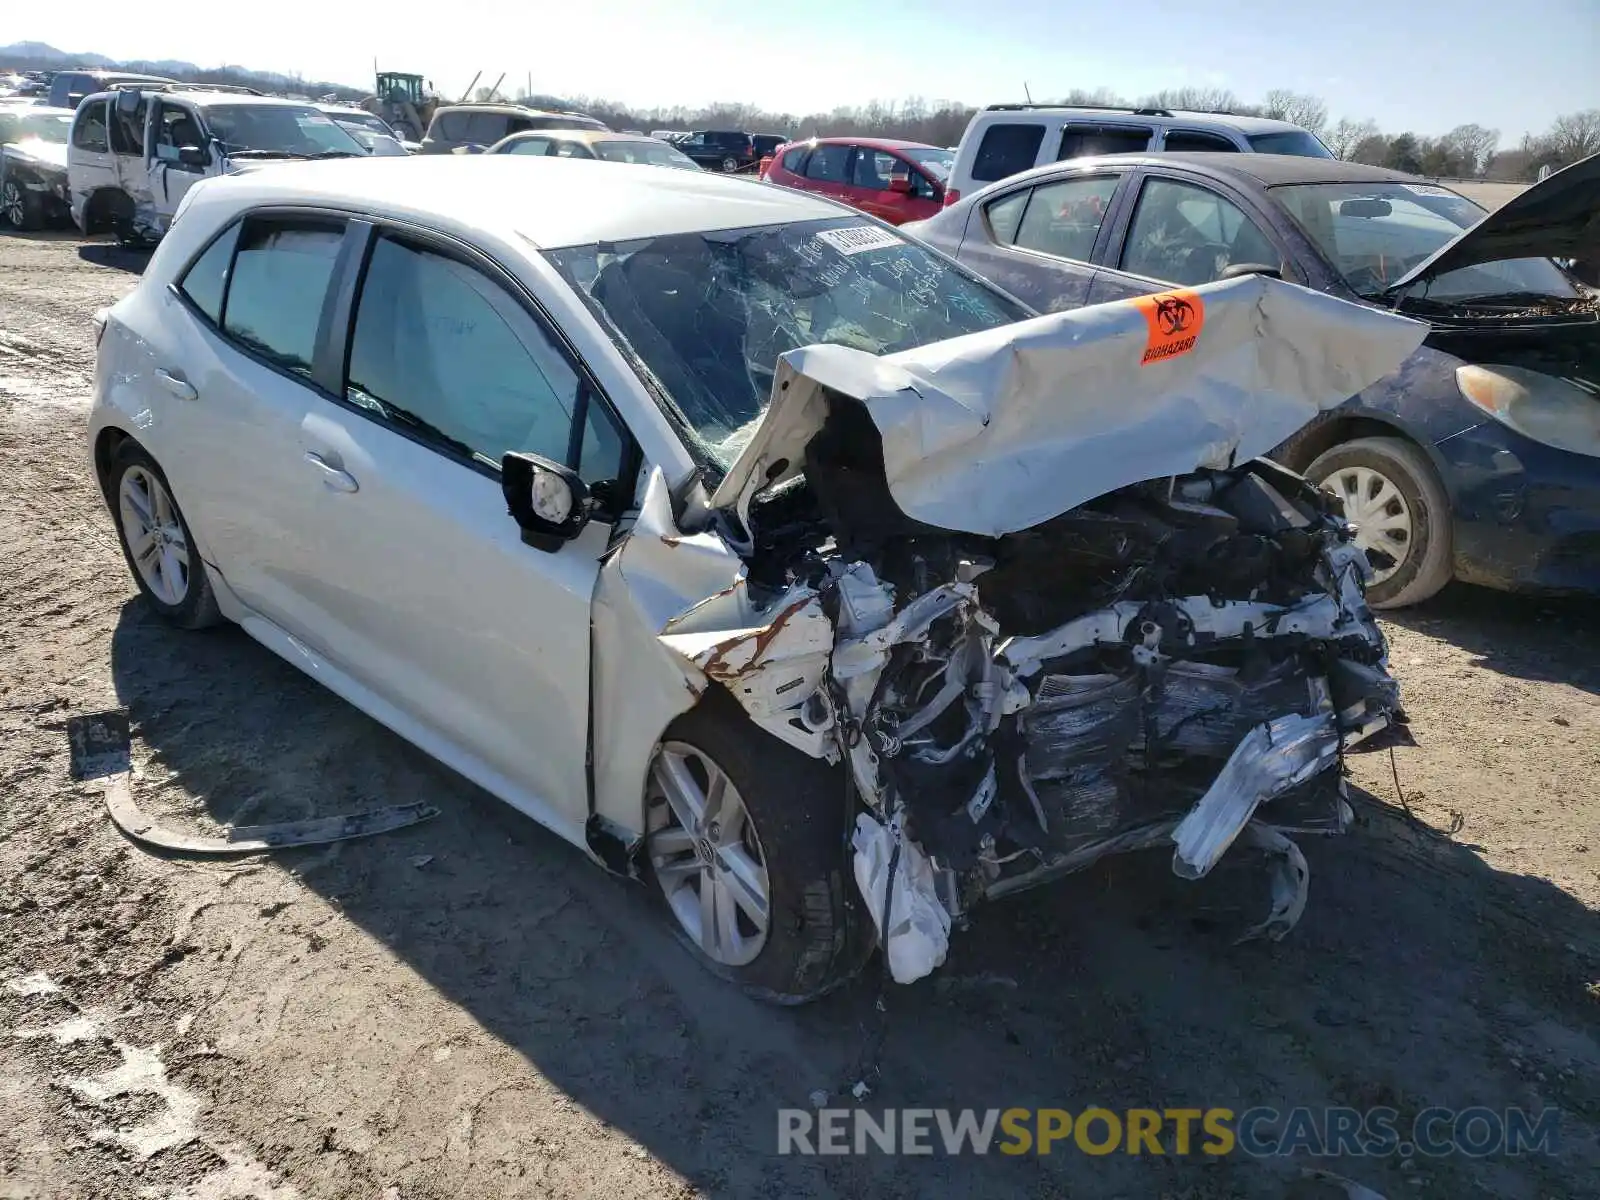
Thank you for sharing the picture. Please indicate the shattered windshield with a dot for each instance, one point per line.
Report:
(24, 126)
(706, 315)
(1373, 233)
(268, 129)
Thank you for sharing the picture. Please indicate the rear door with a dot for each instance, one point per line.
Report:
(828, 170)
(1039, 242)
(418, 581)
(90, 163)
(237, 361)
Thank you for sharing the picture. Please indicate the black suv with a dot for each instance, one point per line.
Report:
(720, 149)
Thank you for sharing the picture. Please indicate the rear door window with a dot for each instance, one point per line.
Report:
(206, 281)
(486, 128)
(829, 164)
(532, 145)
(90, 131)
(1005, 150)
(127, 129)
(1063, 218)
(1079, 139)
(280, 278)
(1179, 141)
(444, 354)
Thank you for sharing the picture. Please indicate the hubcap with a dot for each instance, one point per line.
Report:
(706, 856)
(154, 535)
(1379, 513)
(13, 203)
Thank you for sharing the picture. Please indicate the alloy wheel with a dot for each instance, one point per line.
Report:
(13, 203)
(154, 535)
(706, 856)
(1378, 511)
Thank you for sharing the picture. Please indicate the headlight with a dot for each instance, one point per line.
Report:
(1538, 406)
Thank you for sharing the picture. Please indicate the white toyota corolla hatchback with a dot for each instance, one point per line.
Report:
(755, 549)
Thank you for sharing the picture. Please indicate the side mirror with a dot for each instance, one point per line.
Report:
(1248, 268)
(900, 184)
(193, 156)
(548, 501)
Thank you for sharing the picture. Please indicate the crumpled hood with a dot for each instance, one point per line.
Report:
(1558, 218)
(998, 431)
(37, 150)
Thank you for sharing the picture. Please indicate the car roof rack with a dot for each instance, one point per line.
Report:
(230, 88)
(1123, 108)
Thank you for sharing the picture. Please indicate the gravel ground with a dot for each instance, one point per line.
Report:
(468, 1008)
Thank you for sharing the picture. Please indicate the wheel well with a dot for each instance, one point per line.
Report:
(1304, 448)
(105, 448)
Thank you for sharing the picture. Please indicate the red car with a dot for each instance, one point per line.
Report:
(895, 181)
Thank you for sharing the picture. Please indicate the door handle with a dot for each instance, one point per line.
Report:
(336, 478)
(176, 384)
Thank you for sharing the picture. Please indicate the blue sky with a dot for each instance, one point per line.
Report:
(1424, 65)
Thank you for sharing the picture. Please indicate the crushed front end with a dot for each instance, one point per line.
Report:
(1179, 661)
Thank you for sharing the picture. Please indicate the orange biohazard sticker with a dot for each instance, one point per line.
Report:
(1175, 320)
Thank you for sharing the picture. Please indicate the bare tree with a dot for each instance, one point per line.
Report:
(1574, 136)
(1298, 108)
(1347, 133)
(1193, 98)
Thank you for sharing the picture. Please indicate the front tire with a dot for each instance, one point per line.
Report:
(156, 541)
(1398, 506)
(21, 207)
(746, 842)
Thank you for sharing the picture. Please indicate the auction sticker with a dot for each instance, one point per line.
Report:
(1174, 319)
(853, 239)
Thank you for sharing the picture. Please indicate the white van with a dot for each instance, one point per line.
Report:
(1005, 139)
(135, 152)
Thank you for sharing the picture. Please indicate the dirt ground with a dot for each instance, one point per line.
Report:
(469, 1008)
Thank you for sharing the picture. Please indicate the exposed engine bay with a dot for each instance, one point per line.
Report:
(1178, 662)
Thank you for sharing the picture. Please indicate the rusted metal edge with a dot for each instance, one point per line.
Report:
(256, 839)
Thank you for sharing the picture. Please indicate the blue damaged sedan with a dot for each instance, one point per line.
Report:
(1480, 458)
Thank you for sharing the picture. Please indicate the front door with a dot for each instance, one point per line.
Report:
(176, 128)
(415, 577)
(873, 185)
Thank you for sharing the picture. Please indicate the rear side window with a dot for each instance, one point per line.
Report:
(444, 353)
(206, 281)
(1079, 140)
(90, 131)
(280, 277)
(453, 126)
(829, 163)
(1063, 218)
(794, 161)
(1005, 150)
(1181, 140)
(1005, 214)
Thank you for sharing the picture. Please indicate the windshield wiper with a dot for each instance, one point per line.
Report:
(334, 154)
(265, 154)
(1520, 298)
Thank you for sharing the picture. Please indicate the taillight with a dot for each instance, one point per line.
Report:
(951, 195)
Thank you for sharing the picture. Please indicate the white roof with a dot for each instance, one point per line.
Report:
(550, 202)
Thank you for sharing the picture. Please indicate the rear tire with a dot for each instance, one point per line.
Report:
(1356, 472)
(730, 165)
(817, 935)
(156, 542)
